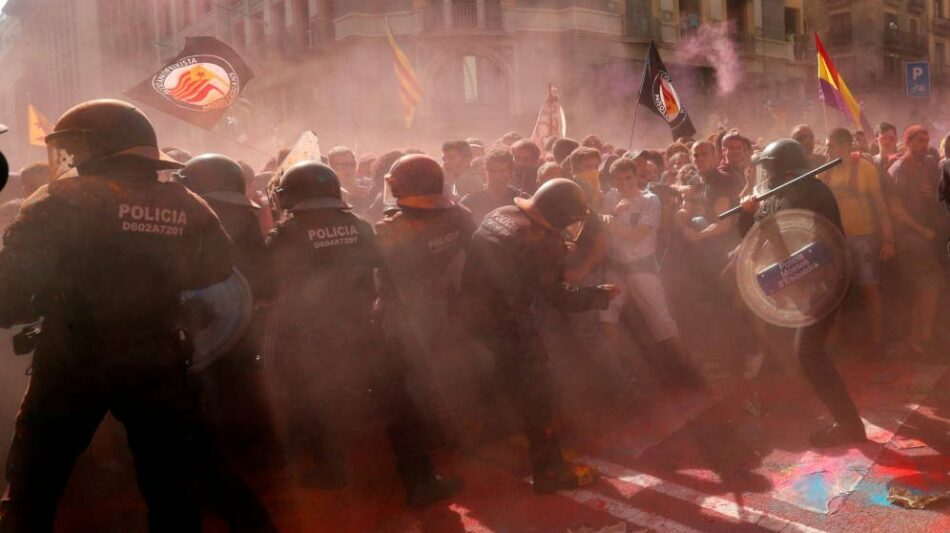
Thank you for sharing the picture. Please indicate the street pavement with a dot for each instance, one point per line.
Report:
(734, 458)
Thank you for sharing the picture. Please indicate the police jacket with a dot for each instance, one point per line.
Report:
(243, 227)
(109, 250)
(513, 260)
(810, 194)
(324, 261)
(418, 247)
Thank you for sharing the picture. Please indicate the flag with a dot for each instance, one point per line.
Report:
(658, 95)
(551, 122)
(199, 85)
(410, 90)
(834, 92)
(39, 127)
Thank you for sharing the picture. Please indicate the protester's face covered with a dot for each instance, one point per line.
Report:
(704, 157)
(919, 144)
(887, 140)
(588, 170)
(454, 163)
(499, 173)
(345, 166)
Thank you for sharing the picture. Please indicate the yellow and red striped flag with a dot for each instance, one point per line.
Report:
(39, 127)
(410, 90)
(834, 92)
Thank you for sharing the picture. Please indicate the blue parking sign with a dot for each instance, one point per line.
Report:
(918, 78)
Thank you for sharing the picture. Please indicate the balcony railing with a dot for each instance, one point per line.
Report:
(643, 28)
(941, 25)
(903, 41)
(745, 42)
(463, 16)
(916, 6)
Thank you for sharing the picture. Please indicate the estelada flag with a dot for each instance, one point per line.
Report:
(658, 95)
(39, 127)
(199, 85)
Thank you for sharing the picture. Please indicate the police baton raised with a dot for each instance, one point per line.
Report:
(829, 165)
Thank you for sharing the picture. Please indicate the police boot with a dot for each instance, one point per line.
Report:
(562, 476)
(431, 490)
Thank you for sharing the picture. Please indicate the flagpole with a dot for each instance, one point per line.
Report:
(633, 127)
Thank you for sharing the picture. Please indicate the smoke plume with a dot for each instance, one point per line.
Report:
(715, 44)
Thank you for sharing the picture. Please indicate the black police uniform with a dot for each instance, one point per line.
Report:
(422, 251)
(485, 201)
(810, 341)
(329, 341)
(103, 261)
(512, 261)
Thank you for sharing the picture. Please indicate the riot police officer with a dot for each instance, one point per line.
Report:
(779, 161)
(422, 240)
(329, 347)
(514, 259)
(233, 413)
(101, 255)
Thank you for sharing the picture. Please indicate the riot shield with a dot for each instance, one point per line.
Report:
(793, 268)
(217, 317)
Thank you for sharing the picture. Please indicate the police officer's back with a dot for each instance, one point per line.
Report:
(102, 257)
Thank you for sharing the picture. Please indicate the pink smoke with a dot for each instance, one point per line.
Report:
(714, 44)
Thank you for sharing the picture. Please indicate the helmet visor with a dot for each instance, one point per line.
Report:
(573, 231)
(67, 150)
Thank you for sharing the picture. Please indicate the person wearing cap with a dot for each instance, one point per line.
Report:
(780, 161)
(912, 199)
(515, 260)
(422, 241)
(102, 258)
(329, 343)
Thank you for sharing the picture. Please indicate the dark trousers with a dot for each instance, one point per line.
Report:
(318, 376)
(522, 366)
(140, 378)
(821, 373)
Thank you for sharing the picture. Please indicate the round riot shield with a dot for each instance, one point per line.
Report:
(793, 268)
(216, 317)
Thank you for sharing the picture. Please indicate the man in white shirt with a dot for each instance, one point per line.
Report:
(631, 264)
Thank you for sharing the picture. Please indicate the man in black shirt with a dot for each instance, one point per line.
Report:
(500, 166)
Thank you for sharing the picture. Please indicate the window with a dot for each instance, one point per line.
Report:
(890, 22)
(914, 26)
(940, 54)
(470, 79)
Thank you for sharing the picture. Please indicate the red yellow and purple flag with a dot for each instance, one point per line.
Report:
(834, 92)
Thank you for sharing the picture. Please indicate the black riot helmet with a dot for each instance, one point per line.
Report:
(417, 181)
(780, 159)
(215, 177)
(310, 185)
(559, 204)
(101, 132)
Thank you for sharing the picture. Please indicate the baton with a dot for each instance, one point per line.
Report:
(830, 164)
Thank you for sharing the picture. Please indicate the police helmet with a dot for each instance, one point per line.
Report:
(559, 204)
(310, 185)
(103, 131)
(216, 177)
(782, 157)
(417, 181)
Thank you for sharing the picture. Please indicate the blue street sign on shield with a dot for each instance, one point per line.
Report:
(918, 79)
